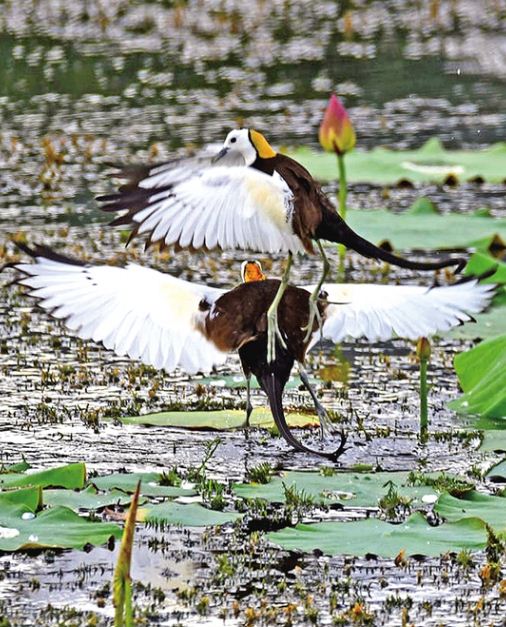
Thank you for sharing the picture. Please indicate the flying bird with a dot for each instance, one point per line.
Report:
(248, 197)
(170, 323)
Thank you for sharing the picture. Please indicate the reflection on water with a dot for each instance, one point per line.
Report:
(184, 72)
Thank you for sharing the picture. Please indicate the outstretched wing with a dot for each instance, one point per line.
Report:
(380, 312)
(194, 205)
(132, 311)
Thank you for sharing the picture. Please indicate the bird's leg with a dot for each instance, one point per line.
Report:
(272, 315)
(314, 312)
(325, 422)
(249, 406)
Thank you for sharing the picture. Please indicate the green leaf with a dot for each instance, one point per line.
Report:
(84, 499)
(19, 467)
(494, 440)
(72, 476)
(488, 325)
(29, 497)
(238, 381)
(150, 484)
(481, 262)
(422, 206)
(57, 527)
(348, 488)
(482, 376)
(498, 472)
(424, 231)
(431, 162)
(191, 515)
(219, 420)
(373, 536)
(491, 509)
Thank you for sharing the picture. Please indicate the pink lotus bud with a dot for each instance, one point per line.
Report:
(336, 131)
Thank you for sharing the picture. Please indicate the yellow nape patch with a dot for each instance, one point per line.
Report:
(263, 148)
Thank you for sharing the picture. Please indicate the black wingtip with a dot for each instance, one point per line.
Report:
(41, 250)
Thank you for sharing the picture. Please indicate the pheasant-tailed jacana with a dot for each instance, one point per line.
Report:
(247, 197)
(167, 322)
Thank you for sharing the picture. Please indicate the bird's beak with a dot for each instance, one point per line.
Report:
(220, 155)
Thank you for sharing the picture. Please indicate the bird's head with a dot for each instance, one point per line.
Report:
(251, 270)
(246, 144)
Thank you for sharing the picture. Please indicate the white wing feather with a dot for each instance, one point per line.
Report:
(132, 311)
(233, 207)
(381, 312)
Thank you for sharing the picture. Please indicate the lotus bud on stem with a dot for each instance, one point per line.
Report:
(423, 350)
(337, 135)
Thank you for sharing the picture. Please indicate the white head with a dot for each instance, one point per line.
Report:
(245, 143)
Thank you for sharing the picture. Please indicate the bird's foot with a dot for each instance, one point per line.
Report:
(273, 332)
(314, 313)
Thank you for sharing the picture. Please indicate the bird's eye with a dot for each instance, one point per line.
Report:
(233, 140)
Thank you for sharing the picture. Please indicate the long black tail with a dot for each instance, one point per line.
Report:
(273, 387)
(334, 229)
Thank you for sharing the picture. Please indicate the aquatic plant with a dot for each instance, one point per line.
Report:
(337, 135)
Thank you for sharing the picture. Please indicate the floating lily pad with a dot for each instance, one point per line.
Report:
(218, 420)
(376, 537)
(498, 472)
(150, 484)
(348, 488)
(488, 325)
(407, 231)
(494, 440)
(57, 527)
(491, 509)
(482, 376)
(191, 515)
(84, 499)
(239, 381)
(431, 162)
(72, 477)
(29, 497)
(18, 467)
(480, 263)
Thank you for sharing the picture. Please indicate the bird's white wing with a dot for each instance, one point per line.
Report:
(230, 207)
(132, 311)
(380, 312)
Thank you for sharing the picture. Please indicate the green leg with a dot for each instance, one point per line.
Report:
(325, 422)
(249, 406)
(313, 299)
(272, 315)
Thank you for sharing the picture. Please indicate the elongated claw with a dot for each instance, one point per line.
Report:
(273, 332)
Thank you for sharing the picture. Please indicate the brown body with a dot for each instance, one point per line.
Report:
(238, 321)
(240, 316)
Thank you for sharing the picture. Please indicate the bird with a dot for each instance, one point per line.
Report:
(170, 323)
(247, 197)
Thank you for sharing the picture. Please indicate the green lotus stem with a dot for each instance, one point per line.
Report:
(343, 192)
(423, 350)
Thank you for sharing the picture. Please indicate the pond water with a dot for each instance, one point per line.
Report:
(88, 83)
